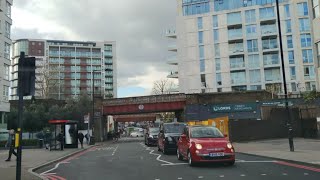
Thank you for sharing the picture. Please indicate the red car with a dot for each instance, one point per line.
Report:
(204, 144)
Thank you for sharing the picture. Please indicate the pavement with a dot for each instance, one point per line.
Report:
(130, 159)
(30, 158)
(306, 150)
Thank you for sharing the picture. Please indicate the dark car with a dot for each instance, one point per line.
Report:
(205, 144)
(151, 136)
(169, 135)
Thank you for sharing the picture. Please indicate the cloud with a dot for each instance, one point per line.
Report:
(137, 26)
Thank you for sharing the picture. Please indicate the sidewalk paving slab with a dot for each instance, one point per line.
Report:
(306, 150)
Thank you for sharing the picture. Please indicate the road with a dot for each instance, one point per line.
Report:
(128, 160)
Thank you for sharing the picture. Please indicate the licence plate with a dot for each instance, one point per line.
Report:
(216, 154)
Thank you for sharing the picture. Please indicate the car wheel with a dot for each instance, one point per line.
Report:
(190, 162)
(231, 163)
(179, 156)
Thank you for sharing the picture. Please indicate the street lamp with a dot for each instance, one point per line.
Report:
(290, 129)
(92, 116)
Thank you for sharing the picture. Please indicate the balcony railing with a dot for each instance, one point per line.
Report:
(268, 29)
(171, 33)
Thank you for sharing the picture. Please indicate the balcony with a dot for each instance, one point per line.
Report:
(172, 47)
(270, 60)
(270, 44)
(236, 48)
(172, 60)
(235, 33)
(171, 33)
(108, 54)
(173, 74)
(269, 30)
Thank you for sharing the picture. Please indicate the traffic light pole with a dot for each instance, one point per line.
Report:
(20, 113)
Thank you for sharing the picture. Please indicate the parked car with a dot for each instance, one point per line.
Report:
(136, 134)
(169, 135)
(151, 136)
(204, 144)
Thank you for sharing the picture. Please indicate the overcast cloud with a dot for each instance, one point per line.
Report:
(137, 26)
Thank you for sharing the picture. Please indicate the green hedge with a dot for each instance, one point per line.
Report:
(25, 142)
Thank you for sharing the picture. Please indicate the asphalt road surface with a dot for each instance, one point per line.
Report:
(132, 160)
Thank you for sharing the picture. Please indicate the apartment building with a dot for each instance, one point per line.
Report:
(5, 43)
(233, 45)
(68, 68)
(316, 26)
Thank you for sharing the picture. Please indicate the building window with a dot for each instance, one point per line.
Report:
(310, 86)
(219, 89)
(266, 13)
(237, 62)
(272, 74)
(255, 88)
(291, 57)
(6, 71)
(250, 16)
(8, 12)
(200, 23)
(293, 87)
(252, 45)
(202, 66)
(288, 26)
(219, 79)
(271, 59)
(255, 76)
(316, 8)
(289, 42)
(309, 72)
(304, 24)
(201, 52)
(303, 9)
(7, 50)
(307, 56)
(305, 40)
(234, 33)
(217, 50)
(218, 64)
(251, 30)
(293, 73)
(216, 35)
(238, 77)
(234, 18)
(191, 8)
(238, 88)
(200, 36)
(215, 21)
(254, 61)
(7, 30)
(287, 10)
(6, 93)
(270, 43)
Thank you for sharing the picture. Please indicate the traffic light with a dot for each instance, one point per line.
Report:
(26, 76)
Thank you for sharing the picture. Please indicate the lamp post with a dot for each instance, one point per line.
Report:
(290, 129)
(93, 93)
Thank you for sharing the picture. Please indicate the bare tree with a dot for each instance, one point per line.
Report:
(163, 86)
(47, 81)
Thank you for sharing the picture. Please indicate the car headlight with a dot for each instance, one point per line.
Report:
(229, 145)
(169, 138)
(150, 136)
(198, 146)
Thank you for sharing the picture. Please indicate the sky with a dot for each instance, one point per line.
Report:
(137, 26)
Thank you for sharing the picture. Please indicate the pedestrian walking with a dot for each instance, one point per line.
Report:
(10, 144)
(80, 137)
(61, 140)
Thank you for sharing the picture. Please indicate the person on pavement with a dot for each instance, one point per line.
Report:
(10, 144)
(81, 136)
(60, 139)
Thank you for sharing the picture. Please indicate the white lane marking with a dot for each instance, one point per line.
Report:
(179, 177)
(263, 174)
(114, 151)
(243, 161)
(55, 167)
(285, 174)
(221, 176)
(174, 164)
(157, 179)
(200, 177)
(242, 175)
(306, 174)
(159, 155)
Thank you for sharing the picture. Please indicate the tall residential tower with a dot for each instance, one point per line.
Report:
(5, 43)
(68, 68)
(233, 45)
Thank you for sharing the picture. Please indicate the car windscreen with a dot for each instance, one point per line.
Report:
(205, 132)
(154, 130)
(174, 128)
